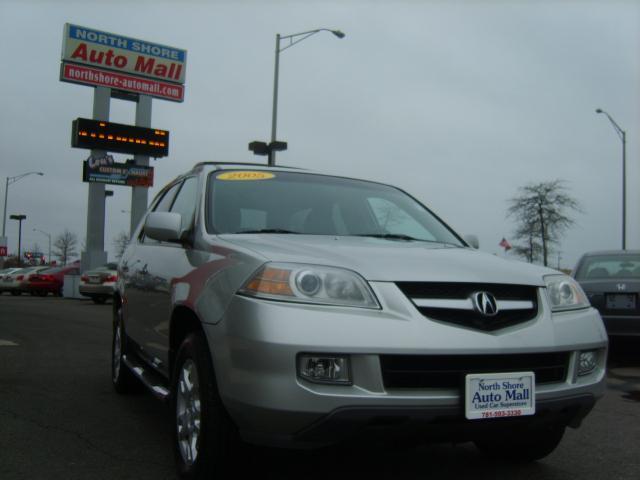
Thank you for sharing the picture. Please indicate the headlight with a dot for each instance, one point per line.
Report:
(291, 282)
(565, 293)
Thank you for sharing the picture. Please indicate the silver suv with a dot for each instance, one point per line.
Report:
(281, 307)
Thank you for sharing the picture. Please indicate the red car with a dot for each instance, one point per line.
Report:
(51, 280)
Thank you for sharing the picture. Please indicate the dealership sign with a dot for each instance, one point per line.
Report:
(123, 54)
(97, 58)
(104, 170)
(104, 78)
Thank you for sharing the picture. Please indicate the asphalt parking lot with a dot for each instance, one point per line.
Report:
(60, 419)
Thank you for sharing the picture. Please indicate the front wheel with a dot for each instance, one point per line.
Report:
(204, 435)
(522, 444)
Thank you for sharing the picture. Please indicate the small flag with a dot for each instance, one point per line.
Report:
(504, 244)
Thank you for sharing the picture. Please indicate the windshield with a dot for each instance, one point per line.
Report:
(289, 202)
(609, 266)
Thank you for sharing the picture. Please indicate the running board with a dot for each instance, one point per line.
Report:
(150, 379)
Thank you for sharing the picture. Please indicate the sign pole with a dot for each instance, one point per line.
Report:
(94, 256)
(140, 195)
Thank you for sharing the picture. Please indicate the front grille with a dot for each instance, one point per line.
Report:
(448, 371)
(469, 317)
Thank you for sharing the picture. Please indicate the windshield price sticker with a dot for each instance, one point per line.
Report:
(499, 395)
(246, 176)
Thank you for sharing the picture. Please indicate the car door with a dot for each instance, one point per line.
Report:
(151, 269)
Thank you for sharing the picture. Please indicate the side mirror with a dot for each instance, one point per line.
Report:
(163, 226)
(473, 241)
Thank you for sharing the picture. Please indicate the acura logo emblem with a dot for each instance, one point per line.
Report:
(485, 303)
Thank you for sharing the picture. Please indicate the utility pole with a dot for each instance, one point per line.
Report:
(19, 218)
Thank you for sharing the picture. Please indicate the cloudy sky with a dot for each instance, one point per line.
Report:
(457, 102)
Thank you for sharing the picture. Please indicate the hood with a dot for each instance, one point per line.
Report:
(392, 260)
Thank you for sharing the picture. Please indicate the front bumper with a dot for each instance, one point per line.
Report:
(89, 290)
(256, 344)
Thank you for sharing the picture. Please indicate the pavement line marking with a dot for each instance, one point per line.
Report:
(7, 343)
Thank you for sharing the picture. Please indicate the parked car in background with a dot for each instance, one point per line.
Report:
(8, 271)
(99, 284)
(5, 272)
(288, 308)
(611, 280)
(51, 280)
(16, 283)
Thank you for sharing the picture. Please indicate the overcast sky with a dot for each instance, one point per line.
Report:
(459, 103)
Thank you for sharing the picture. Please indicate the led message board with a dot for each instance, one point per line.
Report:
(115, 137)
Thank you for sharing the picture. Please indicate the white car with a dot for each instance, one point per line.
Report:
(99, 284)
(16, 283)
(5, 272)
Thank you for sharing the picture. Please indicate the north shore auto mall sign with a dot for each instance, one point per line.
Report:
(93, 57)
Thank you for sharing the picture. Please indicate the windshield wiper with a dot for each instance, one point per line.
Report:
(268, 230)
(401, 236)
(390, 236)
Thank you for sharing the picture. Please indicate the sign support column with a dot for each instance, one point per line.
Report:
(94, 256)
(140, 195)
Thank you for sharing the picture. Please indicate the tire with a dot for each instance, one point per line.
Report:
(122, 378)
(522, 445)
(99, 300)
(43, 293)
(205, 439)
(15, 293)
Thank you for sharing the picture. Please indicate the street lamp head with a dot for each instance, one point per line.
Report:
(39, 173)
(599, 110)
(338, 33)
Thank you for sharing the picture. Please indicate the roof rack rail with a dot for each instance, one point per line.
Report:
(241, 164)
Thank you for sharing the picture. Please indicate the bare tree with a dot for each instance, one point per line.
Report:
(541, 212)
(120, 243)
(65, 246)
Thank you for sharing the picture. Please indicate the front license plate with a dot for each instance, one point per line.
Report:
(621, 301)
(500, 395)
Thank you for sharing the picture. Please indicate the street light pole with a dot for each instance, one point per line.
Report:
(9, 181)
(49, 237)
(274, 114)
(19, 218)
(623, 136)
(293, 39)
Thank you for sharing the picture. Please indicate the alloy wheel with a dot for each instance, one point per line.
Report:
(188, 412)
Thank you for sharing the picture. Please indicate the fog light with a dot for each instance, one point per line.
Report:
(324, 369)
(587, 362)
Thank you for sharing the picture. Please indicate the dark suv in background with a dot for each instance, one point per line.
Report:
(611, 280)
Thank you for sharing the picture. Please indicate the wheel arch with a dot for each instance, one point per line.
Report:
(183, 322)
